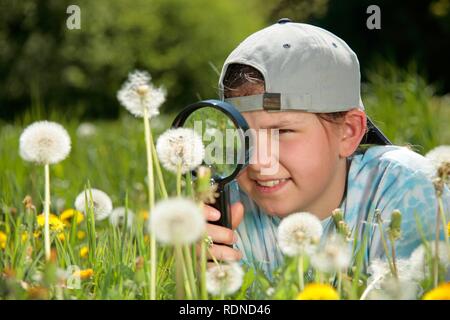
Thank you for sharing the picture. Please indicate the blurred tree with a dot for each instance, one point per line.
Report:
(416, 31)
(178, 42)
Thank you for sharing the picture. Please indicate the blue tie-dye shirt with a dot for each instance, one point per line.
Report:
(382, 177)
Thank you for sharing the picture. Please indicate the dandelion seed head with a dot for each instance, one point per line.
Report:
(335, 255)
(226, 278)
(102, 204)
(439, 155)
(420, 258)
(299, 233)
(86, 130)
(117, 217)
(44, 142)
(387, 287)
(180, 146)
(177, 221)
(138, 95)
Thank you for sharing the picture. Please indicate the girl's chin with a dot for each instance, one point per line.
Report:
(273, 209)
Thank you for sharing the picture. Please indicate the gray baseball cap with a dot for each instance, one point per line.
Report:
(304, 68)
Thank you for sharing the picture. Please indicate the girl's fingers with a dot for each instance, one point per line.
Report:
(211, 214)
(224, 253)
(221, 234)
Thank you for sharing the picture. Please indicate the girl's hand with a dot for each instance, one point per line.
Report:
(223, 235)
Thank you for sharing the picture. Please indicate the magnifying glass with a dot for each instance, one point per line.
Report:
(227, 150)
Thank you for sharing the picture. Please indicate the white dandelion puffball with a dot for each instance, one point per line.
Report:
(382, 285)
(299, 233)
(44, 142)
(420, 257)
(224, 278)
(86, 130)
(334, 256)
(439, 155)
(379, 269)
(138, 94)
(180, 146)
(177, 221)
(102, 204)
(117, 217)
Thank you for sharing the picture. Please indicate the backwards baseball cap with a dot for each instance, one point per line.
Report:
(304, 68)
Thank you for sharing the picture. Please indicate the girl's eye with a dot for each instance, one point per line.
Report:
(281, 131)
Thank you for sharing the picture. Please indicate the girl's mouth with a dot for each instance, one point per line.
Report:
(269, 186)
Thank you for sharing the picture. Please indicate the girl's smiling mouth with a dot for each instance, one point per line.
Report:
(269, 186)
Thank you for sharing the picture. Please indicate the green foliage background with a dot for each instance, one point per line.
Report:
(183, 44)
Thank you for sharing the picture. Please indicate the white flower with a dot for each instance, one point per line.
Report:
(86, 129)
(102, 204)
(180, 146)
(334, 256)
(382, 285)
(226, 278)
(44, 142)
(421, 258)
(138, 94)
(299, 233)
(177, 221)
(117, 217)
(439, 155)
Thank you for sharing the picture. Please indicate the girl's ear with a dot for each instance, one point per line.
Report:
(353, 129)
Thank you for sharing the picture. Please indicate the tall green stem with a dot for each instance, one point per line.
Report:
(179, 180)
(151, 200)
(301, 280)
(158, 168)
(47, 213)
(385, 247)
(204, 292)
(190, 271)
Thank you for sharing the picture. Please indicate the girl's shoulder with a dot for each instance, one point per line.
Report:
(392, 157)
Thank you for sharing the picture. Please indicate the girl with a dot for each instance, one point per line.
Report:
(305, 82)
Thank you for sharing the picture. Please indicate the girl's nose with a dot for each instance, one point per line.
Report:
(264, 151)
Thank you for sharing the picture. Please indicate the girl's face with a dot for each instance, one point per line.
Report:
(310, 174)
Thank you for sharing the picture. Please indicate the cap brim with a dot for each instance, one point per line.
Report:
(374, 135)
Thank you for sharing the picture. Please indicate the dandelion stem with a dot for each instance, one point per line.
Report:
(204, 292)
(385, 247)
(151, 199)
(179, 179)
(158, 168)
(300, 273)
(339, 284)
(394, 263)
(436, 251)
(444, 220)
(190, 271)
(47, 212)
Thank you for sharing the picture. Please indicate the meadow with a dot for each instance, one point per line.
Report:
(112, 262)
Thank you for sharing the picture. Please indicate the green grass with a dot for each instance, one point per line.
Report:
(113, 160)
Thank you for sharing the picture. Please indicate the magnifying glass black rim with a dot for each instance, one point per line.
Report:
(232, 113)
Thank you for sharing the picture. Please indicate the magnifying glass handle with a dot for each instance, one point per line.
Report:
(223, 205)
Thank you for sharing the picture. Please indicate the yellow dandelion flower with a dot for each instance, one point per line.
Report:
(448, 229)
(83, 274)
(442, 292)
(55, 223)
(317, 291)
(67, 215)
(3, 239)
(81, 234)
(61, 236)
(84, 252)
(37, 234)
(143, 215)
(24, 236)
